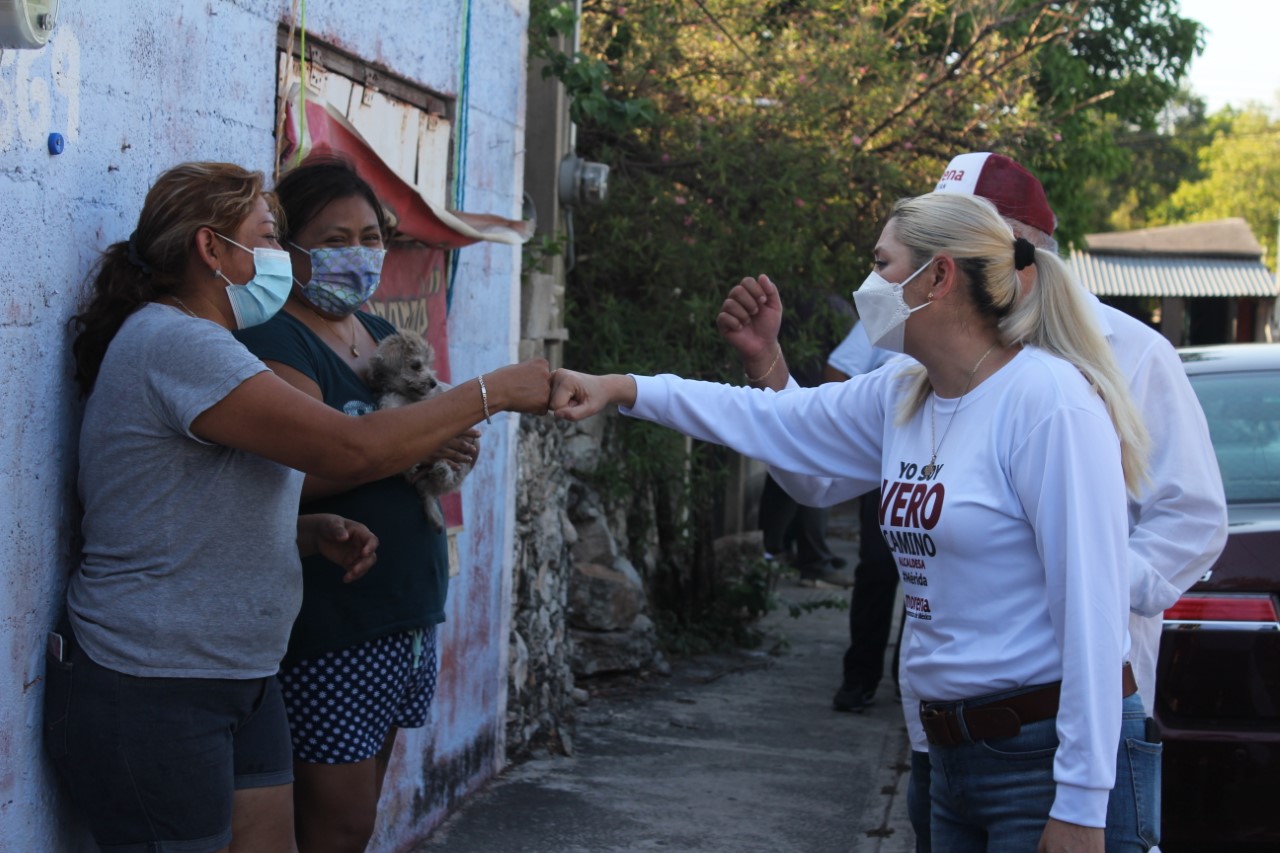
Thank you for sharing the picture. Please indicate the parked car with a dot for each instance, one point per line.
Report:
(1218, 679)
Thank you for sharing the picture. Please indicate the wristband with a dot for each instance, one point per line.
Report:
(484, 398)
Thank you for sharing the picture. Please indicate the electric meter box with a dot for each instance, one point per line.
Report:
(27, 24)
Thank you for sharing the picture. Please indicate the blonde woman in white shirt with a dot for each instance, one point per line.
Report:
(1177, 522)
(1000, 459)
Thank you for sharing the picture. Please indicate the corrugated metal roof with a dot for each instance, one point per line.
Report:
(1162, 275)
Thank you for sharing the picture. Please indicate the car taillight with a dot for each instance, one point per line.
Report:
(1240, 611)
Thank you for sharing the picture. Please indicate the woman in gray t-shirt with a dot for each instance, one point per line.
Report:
(162, 712)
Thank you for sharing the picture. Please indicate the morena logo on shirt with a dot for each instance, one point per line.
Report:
(917, 607)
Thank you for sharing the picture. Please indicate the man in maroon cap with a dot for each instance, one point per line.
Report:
(1012, 189)
(1177, 523)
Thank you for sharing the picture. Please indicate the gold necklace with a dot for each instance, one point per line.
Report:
(175, 298)
(355, 353)
(929, 470)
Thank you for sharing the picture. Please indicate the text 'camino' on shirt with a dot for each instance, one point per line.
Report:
(910, 507)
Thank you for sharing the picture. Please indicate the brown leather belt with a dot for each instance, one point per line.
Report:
(1000, 718)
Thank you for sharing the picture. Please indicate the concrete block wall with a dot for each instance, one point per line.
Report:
(135, 86)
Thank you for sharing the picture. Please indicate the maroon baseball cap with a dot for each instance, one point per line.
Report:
(1012, 189)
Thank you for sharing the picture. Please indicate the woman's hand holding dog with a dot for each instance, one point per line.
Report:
(461, 450)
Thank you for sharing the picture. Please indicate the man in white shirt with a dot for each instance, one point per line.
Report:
(875, 579)
(1177, 524)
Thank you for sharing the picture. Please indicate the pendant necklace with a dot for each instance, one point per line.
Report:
(929, 470)
(355, 353)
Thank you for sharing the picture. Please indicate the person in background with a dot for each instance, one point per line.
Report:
(1177, 521)
(361, 661)
(1005, 455)
(162, 713)
(782, 519)
(875, 580)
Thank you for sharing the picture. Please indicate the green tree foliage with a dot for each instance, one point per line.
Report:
(1158, 162)
(781, 133)
(1240, 168)
(1110, 77)
(585, 78)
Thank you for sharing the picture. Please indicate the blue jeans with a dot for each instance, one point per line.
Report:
(1133, 812)
(995, 796)
(918, 799)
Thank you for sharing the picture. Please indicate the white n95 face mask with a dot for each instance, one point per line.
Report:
(883, 310)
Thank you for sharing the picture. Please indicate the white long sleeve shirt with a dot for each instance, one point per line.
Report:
(855, 355)
(1177, 523)
(1012, 556)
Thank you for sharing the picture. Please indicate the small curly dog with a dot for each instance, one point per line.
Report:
(402, 371)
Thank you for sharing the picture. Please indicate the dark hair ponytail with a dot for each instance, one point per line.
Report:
(119, 288)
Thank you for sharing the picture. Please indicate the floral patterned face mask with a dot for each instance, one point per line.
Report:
(342, 278)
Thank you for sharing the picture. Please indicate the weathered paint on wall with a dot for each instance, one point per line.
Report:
(135, 86)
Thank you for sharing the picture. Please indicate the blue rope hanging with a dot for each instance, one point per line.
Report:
(460, 160)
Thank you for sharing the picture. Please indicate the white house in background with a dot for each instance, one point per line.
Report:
(132, 87)
(1200, 283)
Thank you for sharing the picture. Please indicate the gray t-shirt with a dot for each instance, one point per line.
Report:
(191, 566)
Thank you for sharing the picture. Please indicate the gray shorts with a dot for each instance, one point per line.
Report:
(152, 764)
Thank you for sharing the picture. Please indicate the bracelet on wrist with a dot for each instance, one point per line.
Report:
(484, 398)
(772, 365)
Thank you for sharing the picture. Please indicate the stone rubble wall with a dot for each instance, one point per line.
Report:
(579, 606)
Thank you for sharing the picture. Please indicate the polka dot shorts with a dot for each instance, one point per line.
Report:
(342, 704)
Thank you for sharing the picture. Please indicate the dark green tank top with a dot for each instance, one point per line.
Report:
(408, 586)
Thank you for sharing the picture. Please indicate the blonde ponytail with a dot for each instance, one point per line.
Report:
(1056, 317)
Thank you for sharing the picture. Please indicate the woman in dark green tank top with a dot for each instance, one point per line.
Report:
(370, 644)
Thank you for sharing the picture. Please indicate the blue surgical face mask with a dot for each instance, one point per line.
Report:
(342, 278)
(258, 299)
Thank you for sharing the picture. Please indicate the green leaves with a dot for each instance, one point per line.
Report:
(586, 78)
(1241, 177)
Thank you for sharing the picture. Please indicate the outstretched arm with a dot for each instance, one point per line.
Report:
(460, 450)
(267, 416)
